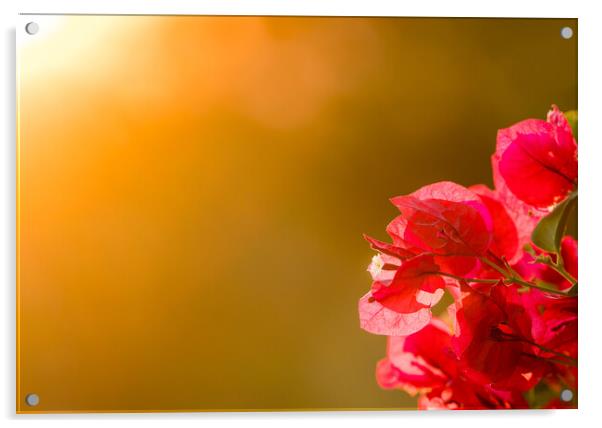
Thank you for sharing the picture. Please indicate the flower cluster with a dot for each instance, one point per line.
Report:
(509, 339)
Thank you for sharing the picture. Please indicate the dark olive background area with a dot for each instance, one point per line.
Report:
(194, 190)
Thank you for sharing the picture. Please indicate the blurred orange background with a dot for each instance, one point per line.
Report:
(193, 193)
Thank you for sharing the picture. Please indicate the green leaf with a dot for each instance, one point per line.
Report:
(549, 231)
(540, 395)
(571, 117)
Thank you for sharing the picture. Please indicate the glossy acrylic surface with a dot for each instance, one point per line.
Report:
(192, 194)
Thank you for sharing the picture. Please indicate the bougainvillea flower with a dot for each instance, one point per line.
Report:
(553, 322)
(550, 324)
(425, 363)
(418, 362)
(402, 250)
(400, 300)
(445, 219)
(493, 341)
(383, 267)
(485, 358)
(537, 159)
(403, 293)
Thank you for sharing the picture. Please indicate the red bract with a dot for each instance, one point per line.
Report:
(490, 347)
(553, 323)
(537, 159)
(400, 300)
(425, 363)
(569, 252)
(445, 219)
(402, 293)
(552, 327)
(395, 251)
(524, 216)
(418, 362)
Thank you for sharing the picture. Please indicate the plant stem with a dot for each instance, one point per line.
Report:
(513, 277)
(530, 284)
(494, 266)
(559, 267)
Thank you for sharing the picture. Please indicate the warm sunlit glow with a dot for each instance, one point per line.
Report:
(67, 45)
(193, 193)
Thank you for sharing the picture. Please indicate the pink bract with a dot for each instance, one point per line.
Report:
(537, 160)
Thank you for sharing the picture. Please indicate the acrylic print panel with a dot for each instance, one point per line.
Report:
(193, 193)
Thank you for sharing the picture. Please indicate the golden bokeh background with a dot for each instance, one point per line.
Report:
(193, 193)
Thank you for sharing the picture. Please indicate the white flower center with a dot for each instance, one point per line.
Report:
(376, 266)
